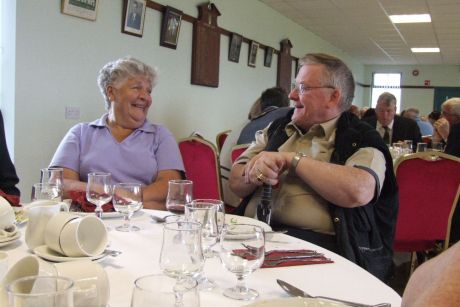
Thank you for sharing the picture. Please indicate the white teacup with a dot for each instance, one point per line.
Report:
(27, 266)
(91, 282)
(85, 236)
(54, 228)
(7, 217)
(39, 213)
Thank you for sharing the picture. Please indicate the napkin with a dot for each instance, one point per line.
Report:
(79, 203)
(12, 199)
(271, 257)
(280, 258)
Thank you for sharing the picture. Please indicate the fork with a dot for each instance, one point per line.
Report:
(270, 263)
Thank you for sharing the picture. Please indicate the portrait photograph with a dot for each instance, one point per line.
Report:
(170, 27)
(235, 48)
(268, 56)
(133, 17)
(86, 9)
(253, 54)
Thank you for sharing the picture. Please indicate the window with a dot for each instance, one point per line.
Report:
(386, 82)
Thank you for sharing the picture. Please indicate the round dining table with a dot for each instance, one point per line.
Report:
(141, 252)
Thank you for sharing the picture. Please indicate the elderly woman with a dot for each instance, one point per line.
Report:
(122, 142)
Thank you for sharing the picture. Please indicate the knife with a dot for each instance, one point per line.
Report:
(293, 257)
(294, 291)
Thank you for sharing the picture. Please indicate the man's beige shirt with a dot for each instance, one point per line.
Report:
(294, 202)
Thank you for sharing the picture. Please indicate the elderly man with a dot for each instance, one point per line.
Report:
(447, 128)
(425, 127)
(332, 175)
(393, 128)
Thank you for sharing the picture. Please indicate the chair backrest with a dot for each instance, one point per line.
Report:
(202, 167)
(220, 139)
(428, 193)
(237, 151)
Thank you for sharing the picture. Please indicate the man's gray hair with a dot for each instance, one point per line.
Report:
(337, 75)
(453, 104)
(387, 99)
(118, 71)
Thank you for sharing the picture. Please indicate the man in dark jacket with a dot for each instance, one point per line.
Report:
(8, 177)
(393, 128)
(332, 175)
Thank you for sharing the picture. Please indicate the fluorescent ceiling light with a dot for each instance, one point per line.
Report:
(424, 49)
(412, 18)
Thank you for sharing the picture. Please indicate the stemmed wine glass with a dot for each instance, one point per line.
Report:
(99, 190)
(181, 255)
(204, 212)
(180, 193)
(127, 199)
(242, 251)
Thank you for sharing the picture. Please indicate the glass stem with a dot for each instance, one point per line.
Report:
(241, 283)
(126, 221)
(98, 212)
(178, 294)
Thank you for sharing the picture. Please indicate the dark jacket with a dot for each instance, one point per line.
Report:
(403, 129)
(453, 141)
(8, 177)
(364, 234)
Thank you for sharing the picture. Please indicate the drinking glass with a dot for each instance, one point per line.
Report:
(436, 146)
(48, 191)
(158, 290)
(205, 213)
(35, 291)
(242, 251)
(180, 193)
(127, 199)
(181, 254)
(408, 146)
(54, 175)
(422, 147)
(99, 190)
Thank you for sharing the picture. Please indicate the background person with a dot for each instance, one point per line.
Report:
(425, 127)
(331, 172)
(122, 142)
(8, 177)
(398, 128)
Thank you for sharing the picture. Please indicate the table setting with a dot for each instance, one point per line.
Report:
(200, 257)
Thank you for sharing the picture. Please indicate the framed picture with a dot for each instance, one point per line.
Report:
(80, 8)
(235, 48)
(253, 54)
(268, 56)
(133, 17)
(170, 27)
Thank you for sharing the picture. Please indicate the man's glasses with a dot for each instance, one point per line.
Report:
(302, 88)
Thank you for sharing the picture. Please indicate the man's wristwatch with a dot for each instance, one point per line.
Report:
(295, 161)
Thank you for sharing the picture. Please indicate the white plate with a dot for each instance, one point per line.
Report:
(9, 240)
(295, 302)
(236, 219)
(48, 254)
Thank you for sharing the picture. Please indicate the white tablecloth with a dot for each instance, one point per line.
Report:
(141, 250)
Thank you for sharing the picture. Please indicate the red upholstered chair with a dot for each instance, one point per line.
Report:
(428, 192)
(220, 139)
(202, 167)
(238, 150)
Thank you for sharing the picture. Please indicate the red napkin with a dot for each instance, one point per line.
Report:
(271, 260)
(12, 199)
(79, 203)
(317, 258)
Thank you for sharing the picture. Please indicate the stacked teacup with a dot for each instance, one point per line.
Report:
(8, 231)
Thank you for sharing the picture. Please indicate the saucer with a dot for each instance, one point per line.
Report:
(8, 240)
(47, 253)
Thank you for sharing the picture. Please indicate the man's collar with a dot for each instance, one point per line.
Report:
(390, 125)
(322, 130)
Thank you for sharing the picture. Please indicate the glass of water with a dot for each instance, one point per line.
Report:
(127, 199)
(48, 191)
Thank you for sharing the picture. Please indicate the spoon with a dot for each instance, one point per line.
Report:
(294, 291)
(159, 219)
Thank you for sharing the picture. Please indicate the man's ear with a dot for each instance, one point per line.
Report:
(335, 98)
